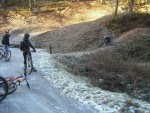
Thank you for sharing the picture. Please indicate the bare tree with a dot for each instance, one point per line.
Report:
(116, 8)
(131, 5)
(3, 3)
(35, 2)
(102, 1)
(30, 5)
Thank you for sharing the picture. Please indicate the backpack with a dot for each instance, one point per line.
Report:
(107, 38)
(21, 46)
(3, 40)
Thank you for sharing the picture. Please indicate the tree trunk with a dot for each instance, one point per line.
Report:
(131, 5)
(3, 4)
(30, 5)
(116, 8)
(35, 2)
(102, 1)
(22, 3)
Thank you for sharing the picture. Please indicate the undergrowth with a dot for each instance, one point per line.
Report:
(109, 72)
(137, 50)
(126, 22)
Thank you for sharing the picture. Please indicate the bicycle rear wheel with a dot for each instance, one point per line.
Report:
(3, 88)
(1, 53)
(29, 66)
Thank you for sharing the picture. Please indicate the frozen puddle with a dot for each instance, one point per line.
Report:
(78, 88)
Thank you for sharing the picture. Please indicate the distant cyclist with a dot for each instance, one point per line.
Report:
(106, 40)
(6, 43)
(25, 47)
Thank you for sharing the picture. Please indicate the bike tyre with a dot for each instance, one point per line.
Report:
(12, 87)
(29, 66)
(9, 55)
(1, 53)
(5, 87)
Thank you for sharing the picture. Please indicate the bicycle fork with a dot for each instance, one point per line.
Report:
(25, 68)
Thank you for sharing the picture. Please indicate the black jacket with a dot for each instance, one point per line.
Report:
(5, 39)
(25, 45)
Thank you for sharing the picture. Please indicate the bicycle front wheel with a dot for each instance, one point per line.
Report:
(1, 53)
(29, 66)
(9, 55)
(12, 87)
(3, 89)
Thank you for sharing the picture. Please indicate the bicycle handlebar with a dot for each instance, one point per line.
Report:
(28, 51)
(13, 78)
(11, 45)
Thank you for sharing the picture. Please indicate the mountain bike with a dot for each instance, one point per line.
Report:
(13, 82)
(3, 88)
(3, 54)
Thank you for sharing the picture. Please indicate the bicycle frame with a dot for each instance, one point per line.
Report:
(16, 80)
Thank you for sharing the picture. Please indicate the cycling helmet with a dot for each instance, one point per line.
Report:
(7, 31)
(26, 35)
(106, 36)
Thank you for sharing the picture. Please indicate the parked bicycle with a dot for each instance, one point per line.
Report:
(3, 54)
(9, 85)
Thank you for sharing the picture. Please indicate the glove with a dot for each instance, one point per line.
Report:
(34, 50)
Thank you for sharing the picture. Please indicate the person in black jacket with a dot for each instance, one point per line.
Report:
(106, 40)
(6, 43)
(25, 47)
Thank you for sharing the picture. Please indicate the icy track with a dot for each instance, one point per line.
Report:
(78, 88)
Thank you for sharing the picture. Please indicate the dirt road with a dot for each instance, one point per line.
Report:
(42, 97)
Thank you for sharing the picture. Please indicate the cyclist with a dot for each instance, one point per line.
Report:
(25, 47)
(6, 43)
(106, 40)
